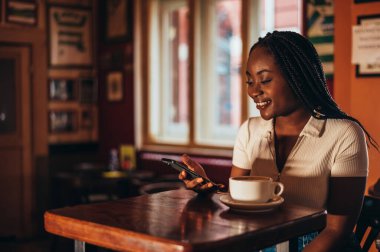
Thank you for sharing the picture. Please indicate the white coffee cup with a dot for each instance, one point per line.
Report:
(258, 189)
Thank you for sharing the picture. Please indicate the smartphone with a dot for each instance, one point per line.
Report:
(180, 167)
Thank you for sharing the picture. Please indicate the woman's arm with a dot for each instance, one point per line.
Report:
(344, 203)
(236, 171)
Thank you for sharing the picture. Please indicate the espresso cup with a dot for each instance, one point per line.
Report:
(258, 189)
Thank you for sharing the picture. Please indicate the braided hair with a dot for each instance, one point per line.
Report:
(302, 69)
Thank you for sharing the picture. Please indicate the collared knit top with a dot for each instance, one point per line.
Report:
(325, 148)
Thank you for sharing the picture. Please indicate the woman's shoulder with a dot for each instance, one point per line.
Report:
(343, 125)
(256, 125)
(344, 129)
(257, 122)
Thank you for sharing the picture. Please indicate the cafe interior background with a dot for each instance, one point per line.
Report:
(86, 82)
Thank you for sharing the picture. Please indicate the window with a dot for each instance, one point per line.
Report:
(169, 70)
(218, 83)
(195, 53)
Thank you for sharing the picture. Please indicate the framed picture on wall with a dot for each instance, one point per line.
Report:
(115, 86)
(62, 121)
(88, 91)
(365, 1)
(62, 90)
(118, 18)
(87, 118)
(23, 12)
(71, 2)
(70, 36)
(368, 70)
(320, 31)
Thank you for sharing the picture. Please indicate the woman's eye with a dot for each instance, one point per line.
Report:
(266, 81)
(249, 82)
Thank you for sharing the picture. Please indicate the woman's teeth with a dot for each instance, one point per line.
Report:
(262, 104)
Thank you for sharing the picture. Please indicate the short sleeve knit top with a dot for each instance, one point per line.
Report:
(325, 148)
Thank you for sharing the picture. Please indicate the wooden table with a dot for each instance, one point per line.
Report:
(179, 220)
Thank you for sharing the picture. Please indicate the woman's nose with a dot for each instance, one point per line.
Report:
(254, 90)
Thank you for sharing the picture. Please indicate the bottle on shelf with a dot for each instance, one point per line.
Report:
(114, 163)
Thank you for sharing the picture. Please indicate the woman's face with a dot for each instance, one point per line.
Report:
(268, 87)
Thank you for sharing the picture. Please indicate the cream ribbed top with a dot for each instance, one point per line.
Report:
(325, 148)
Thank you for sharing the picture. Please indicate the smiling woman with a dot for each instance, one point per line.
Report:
(298, 116)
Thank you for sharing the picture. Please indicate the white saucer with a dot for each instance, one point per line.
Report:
(243, 206)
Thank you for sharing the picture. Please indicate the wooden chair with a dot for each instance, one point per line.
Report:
(369, 219)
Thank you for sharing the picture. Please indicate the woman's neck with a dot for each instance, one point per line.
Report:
(292, 124)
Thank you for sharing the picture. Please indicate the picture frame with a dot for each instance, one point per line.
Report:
(365, 1)
(70, 36)
(87, 120)
(88, 91)
(62, 90)
(63, 121)
(368, 70)
(71, 2)
(118, 19)
(319, 29)
(114, 85)
(24, 12)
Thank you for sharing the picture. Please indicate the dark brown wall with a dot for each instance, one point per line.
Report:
(116, 119)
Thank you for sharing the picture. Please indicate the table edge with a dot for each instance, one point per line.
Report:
(56, 224)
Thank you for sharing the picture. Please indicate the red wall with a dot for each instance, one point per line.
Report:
(116, 119)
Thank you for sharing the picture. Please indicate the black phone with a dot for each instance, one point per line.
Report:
(180, 167)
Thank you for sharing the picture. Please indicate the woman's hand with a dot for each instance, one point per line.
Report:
(198, 184)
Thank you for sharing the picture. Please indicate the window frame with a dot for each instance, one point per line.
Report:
(249, 34)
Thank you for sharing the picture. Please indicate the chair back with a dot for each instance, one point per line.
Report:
(369, 219)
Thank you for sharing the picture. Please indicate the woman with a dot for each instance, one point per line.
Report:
(301, 139)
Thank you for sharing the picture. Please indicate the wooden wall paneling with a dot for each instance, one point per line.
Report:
(10, 191)
(1, 11)
(27, 164)
(40, 130)
(37, 40)
(16, 146)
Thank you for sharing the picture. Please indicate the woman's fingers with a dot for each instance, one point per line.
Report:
(221, 186)
(198, 184)
(190, 184)
(194, 183)
(182, 175)
(190, 163)
(193, 165)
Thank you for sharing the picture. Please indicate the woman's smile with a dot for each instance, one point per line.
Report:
(263, 104)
